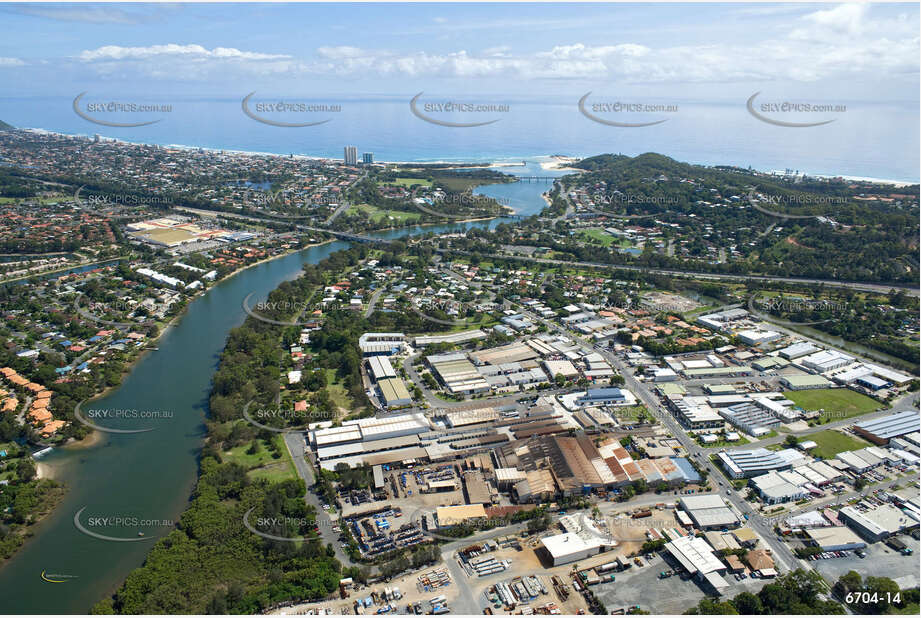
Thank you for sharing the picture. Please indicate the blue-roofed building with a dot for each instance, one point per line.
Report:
(66, 343)
(94, 338)
(881, 430)
(83, 365)
(63, 370)
(602, 396)
(688, 473)
(872, 382)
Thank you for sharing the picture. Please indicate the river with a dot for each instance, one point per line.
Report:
(136, 483)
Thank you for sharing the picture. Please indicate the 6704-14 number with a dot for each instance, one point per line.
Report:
(873, 597)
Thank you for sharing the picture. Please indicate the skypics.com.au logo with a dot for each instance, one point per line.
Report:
(427, 111)
(770, 112)
(120, 414)
(94, 111)
(258, 310)
(120, 527)
(622, 110)
(102, 200)
(763, 308)
(261, 110)
(770, 204)
(439, 207)
(260, 415)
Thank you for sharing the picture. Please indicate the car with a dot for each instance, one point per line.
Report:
(728, 492)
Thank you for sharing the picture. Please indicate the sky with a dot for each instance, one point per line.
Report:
(712, 52)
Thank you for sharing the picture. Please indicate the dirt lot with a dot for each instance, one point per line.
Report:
(406, 583)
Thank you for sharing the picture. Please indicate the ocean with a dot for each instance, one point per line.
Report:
(868, 140)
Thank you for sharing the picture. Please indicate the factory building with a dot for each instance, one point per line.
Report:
(393, 393)
(697, 558)
(457, 373)
(751, 419)
(802, 381)
(694, 414)
(826, 360)
(882, 430)
(745, 464)
(834, 538)
(581, 540)
(878, 523)
(708, 511)
(776, 489)
(381, 368)
(463, 337)
(602, 396)
(802, 348)
(756, 337)
(381, 344)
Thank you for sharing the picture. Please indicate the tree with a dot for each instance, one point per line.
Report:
(713, 607)
(748, 603)
(849, 582)
(26, 470)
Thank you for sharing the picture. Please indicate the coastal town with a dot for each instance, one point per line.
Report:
(528, 419)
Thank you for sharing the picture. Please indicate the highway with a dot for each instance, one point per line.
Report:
(832, 283)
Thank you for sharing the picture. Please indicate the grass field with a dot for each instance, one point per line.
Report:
(606, 239)
(261, 465)
(408, 182)
(43, 200)
(724, 443)
(337, 392)
(377, 214)
(459, 184)
(631, 413)
(831, 442)
(600, 235)
(838, 403)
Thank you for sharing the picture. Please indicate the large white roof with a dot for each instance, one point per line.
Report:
(695, 555)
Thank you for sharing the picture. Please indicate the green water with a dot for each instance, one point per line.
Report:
(150, 476)
(146, 476)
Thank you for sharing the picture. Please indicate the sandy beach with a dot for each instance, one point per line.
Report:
(560, 164)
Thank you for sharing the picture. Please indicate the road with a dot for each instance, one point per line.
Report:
(341, 209)
(295, 443)
(872, 287)
(781, 552)
(374, 297)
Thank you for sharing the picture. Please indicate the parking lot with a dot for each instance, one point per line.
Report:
(673, 595)
(881, 560)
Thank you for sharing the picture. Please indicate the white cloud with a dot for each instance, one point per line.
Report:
(158, 52)
(11, 62)
(843, 42)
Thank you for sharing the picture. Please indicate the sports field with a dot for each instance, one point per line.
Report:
(838, 403)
